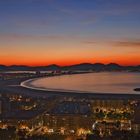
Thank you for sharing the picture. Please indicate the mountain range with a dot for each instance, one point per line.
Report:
(82, 67)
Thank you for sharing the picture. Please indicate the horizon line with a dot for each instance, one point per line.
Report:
(66, 65)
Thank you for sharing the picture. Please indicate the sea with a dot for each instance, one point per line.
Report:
(100, 82)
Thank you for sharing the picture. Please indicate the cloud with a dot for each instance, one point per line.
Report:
(128, 43)
(119, 43)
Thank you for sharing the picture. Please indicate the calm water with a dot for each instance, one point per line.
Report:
(105, 82)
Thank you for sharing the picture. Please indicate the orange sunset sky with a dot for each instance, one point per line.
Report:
(69, 32)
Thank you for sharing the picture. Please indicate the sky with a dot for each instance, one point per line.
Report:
(66, 32)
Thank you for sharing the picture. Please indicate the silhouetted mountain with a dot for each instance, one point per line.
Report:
(98, 67)
(52, 67)
(113, 66)
(82, 67)
(48, 68)
(3, 67)
(132, 68)
(18, 68)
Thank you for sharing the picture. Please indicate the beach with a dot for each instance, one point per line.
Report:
(14, 86)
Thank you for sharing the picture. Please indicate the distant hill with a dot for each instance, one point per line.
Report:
(77, 67)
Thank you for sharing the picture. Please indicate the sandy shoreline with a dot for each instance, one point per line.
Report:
(27, 84)
(21, 89)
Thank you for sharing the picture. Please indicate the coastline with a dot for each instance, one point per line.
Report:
(28, 84)
(19, 88)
